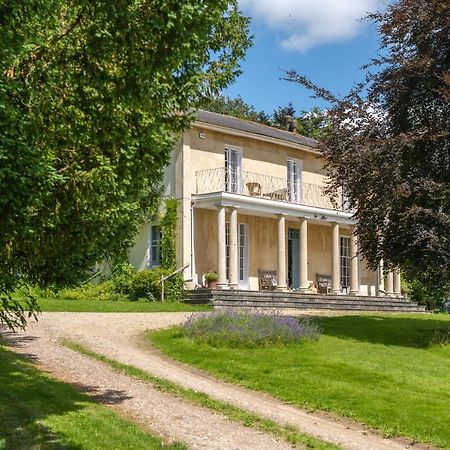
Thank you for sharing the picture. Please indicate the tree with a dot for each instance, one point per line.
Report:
(282, 115)
(235, 107)
(390, 147)
(91, 97)
(312, 124)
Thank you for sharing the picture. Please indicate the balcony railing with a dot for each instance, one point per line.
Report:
(263, 186)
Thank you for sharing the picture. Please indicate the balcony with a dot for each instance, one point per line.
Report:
(264, 186)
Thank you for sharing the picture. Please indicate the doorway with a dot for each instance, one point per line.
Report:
(293, 258)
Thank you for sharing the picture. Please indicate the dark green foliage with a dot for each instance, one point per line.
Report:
(313, 124)
(91, 97)
(168, 234)
(235, 107)
(388, 144)
(282, 114)
(433, 297)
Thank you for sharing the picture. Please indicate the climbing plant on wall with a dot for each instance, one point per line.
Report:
(169, 234)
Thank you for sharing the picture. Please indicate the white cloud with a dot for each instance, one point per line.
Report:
(303, 24)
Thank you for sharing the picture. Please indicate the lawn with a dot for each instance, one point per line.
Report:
(92, 305)
(380, 370)
(39, 412)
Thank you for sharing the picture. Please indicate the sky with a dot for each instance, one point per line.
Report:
(325, 40)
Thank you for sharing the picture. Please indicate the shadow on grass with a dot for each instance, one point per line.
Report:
(387, 330)
(27, 398)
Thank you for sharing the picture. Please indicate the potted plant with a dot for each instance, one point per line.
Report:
(211, 278)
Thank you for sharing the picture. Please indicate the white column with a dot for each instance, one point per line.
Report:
(221, 248)
(233, 242)
(390, 283)
(336, 262)
(354, 264)
(303, 244)
(281, 260)
(397, 283)
(380, 278)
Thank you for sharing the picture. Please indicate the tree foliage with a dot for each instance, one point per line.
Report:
(388, 143)
(282, 114)
(91, 94)
(235, 107)
(311, 124)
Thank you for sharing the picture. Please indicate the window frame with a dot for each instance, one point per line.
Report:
(154, 246)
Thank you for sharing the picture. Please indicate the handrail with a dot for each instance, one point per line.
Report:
(180, 269)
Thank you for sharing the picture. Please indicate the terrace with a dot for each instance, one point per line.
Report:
(265, 187)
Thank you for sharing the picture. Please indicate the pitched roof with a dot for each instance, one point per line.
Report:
(253, 127)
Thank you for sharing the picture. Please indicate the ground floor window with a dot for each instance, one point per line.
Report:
(155, 246)
(345, 262)
(242, 251)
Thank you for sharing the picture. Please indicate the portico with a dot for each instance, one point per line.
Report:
(316, 247)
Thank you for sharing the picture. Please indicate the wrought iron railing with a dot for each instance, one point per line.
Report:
(262, 186)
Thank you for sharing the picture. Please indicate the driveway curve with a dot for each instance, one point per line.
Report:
(119, 336)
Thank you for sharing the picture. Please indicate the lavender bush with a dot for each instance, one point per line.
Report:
(231, 328)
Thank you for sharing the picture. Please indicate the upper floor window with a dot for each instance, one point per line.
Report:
(294, 180)
(233, 161)
(155, 246)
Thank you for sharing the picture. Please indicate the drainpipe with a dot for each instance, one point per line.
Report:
(192, 244)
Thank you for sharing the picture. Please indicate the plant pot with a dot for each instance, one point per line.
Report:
(212, 284)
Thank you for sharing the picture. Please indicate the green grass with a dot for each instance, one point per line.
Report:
(92, 305)
(380, 370)
(39, 412)
(287, 433)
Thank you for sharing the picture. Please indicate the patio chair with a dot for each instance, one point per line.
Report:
(267, 280)
(323, 283)
(254, 188)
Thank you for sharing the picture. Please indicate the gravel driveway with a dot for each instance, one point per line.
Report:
(119, 336)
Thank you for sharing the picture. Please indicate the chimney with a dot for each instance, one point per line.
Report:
(291, 123)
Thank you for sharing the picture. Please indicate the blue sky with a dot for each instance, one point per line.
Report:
(322, 39)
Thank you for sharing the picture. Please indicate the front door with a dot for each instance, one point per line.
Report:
(293, 258)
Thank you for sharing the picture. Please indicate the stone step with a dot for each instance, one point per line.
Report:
(280, 300)
(343, 307)
(341, 301)
(293, 295)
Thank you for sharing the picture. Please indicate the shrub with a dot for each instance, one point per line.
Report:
(230, 328)
(433, 298)
(122, 276)
(102, 291)
(211, 275)
(146, 284)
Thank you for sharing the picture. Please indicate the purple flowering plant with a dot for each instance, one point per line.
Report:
(248, 329)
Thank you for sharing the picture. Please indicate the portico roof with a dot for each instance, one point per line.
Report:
(271, 208)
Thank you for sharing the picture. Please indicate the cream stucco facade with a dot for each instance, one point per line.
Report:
(251, 200)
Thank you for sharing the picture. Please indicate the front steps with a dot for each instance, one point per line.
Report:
(282, 300)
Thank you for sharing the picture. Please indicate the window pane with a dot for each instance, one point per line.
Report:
(155, 246)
